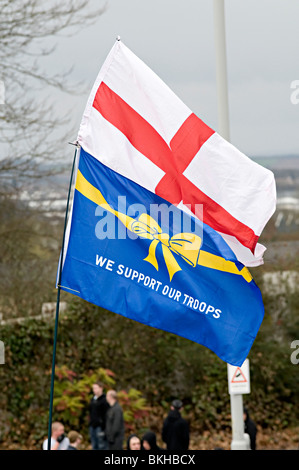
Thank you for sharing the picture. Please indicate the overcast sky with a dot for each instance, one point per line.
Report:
(176, 39)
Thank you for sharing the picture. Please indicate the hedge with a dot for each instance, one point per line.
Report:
(160, 365)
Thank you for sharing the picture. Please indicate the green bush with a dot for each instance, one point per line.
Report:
(73, 393)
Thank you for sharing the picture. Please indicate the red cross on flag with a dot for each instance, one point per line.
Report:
(134, 124)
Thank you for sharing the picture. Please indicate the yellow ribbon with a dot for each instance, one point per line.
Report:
(186, 245)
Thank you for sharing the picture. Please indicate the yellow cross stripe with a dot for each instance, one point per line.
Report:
(89, 191)
(216, 262)
(92, 193)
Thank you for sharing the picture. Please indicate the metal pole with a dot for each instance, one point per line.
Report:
(221, 70)
(238, 439)
(57, 306)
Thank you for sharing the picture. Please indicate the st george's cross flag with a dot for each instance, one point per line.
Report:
(137, 126)
(136, 243)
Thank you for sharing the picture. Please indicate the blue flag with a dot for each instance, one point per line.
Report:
(135, 254)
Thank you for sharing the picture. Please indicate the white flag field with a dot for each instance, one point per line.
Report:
(134, 124)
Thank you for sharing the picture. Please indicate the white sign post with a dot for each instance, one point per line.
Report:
(238, 384)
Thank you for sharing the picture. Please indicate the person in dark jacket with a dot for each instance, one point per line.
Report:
(250, 429)
(175, 431)
(115, 429)
(149, 442)
(98, 407)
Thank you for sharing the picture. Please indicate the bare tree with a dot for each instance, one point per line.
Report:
(27, 124)
(29, 130)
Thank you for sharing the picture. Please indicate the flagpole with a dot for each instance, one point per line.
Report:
(221, 69)
(58, 301)
(236, 401)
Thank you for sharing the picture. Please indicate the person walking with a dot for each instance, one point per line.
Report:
(115, 429)
(98, 408)
(175, 431)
